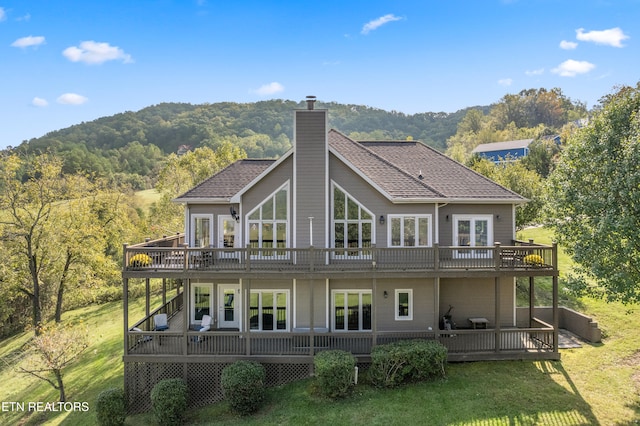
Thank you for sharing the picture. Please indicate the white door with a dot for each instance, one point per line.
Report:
(229, 306)
(227, 238)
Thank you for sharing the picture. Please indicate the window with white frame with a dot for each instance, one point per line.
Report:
(268, 224)
(409, 230)
(201, 230)
(269, 310)
(404, 305)
(473, 231)
(352, 225)
(351, 310)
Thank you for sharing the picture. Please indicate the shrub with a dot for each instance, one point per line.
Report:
(243, 386)
(111, 408)
(140, 260)
(169, 401)
(404, 361)
(334, 372)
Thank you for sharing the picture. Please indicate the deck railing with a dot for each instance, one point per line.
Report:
(223, 343)
(520, 256)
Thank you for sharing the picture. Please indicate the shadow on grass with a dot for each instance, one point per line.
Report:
(482, 393)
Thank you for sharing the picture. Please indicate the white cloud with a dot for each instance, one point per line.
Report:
(571, 68)
(270, 89)
(91, 52)
(611, 37)
(505, 82)
(39, 102)
(71, 99)
(3, 14)
(539, 71)
(377, 23)
(568, 45)
(28, 41)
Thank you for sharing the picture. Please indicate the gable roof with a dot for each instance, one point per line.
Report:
(412, 171)
(402, 171)
(227, 182)
(502, 146)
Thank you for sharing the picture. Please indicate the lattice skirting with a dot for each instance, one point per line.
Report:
(203, 380)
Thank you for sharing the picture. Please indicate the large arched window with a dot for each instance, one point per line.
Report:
(352, 225)
(268, 224)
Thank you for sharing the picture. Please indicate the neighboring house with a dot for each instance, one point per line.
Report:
(338, 244)
(500, 152)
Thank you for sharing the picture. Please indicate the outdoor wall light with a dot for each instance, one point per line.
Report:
(385, 294)
(497, 217)
(447, 217)
(381, 219)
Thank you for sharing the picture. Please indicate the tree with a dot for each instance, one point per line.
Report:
(51, 351)
(55, 231)
(594, 202)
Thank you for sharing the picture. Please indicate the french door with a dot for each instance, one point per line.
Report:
(229, 306)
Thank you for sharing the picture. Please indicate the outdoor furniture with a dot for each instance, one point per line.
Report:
(160, 322)
(478, 322)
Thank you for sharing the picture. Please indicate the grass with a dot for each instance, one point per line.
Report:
(597, 384)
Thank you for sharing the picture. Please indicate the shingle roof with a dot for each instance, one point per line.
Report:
(229, 181)
(393, 167)
(499, 146)
(397, 166)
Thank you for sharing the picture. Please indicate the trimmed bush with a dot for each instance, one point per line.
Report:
(243, 386)
(169, 401)
(334, 371)
(111, 407)
(407, 361)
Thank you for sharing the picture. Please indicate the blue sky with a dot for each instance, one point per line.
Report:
(64, 62)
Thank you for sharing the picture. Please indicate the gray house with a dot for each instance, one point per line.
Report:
(338, 244)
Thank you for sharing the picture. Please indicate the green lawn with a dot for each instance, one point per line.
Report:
(595, 384)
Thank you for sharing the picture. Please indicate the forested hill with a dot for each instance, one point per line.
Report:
(262, 129)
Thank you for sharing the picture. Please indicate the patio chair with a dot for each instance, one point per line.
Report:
(160, 322)
(206, 323)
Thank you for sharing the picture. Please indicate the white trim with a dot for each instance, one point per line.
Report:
(192, 302)
(287, 222)
(275, 292)
(332, 220)
(346, 292)
(390, 217)
(472, 218)
(397, 316)
(192, 229)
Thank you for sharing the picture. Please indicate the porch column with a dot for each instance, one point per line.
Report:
(247, 312)
(532, 300)
(147, 301)
(374, 302)
(311, 319)
(436, 306)
(125, 314)
(164, 291)
(556, 318)
(497, 314)
(185, 316)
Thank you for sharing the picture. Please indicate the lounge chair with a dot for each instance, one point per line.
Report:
(160, 322)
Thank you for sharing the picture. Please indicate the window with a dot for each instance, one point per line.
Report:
(352, 226)
(404, 305)
(268, 310)
(268, 227)
(409, 230)
(201, 230)
(473, 231)
(352, 310)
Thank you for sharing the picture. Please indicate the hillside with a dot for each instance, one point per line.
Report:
(134, 142)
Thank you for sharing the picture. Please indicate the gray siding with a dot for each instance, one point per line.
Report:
(311, 148)
(302, 304)
(503, 227)
(476, 298)
(423, 305)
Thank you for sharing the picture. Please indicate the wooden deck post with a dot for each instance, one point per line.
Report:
(185, 316)
(497, 314)
(147, 301)
(247, 311)
(556, 318)
(532, 300)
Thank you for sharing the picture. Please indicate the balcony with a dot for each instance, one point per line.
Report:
(170, 257)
